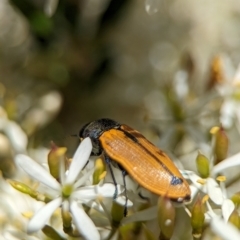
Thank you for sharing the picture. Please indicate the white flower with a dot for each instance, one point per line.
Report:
(216, 192)
(208, 186)
(14, 132)
(221, 227)
(13, 222)
(224, 230)
(229, 89)
(68, 193)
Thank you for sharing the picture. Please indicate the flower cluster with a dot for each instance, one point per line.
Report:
(66, 190)
(216, 207)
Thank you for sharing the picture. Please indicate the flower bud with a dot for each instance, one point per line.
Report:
(51, 233)
(166, 217)
(127, 231)
(67, 219)
(23, 188)
(100, 171)
(117, 213)
(221, 145)
(148, 234)
(234, 219)
(55, 155)
(236, 199)
(197, 220)
(202, 165)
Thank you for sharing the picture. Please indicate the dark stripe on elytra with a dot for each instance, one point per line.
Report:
(133, 135)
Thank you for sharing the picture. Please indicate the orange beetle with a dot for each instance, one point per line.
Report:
(143, 161)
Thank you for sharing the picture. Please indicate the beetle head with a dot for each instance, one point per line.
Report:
(95, 129)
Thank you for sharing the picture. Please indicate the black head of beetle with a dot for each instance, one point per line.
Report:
(95, 129)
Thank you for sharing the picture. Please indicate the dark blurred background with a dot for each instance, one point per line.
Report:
(64, 63)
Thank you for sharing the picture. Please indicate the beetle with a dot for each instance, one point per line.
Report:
(149, 166)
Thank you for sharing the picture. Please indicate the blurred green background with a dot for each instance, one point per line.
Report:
(64, 63)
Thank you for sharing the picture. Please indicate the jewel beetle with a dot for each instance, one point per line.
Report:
(149, 166)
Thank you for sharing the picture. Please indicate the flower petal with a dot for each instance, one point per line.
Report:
(91, 192)
(17, 136)
(214, 191)
(36, 171)
(224, 230)
(144, 215)
(84, 178)
(79, 160)
(41, 217)
(62, 171)
(227, 113)
(227, 209)
(185, 173)
(232, 161)
(194, 179)
(121, 200)
(65, 206)
(83, 223)
(194, 192)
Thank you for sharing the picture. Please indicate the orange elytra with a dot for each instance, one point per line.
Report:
(150, 167)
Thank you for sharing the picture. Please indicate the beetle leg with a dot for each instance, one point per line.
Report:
(143, 197)
(108, 162)
(85, 164)
(124, 173)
